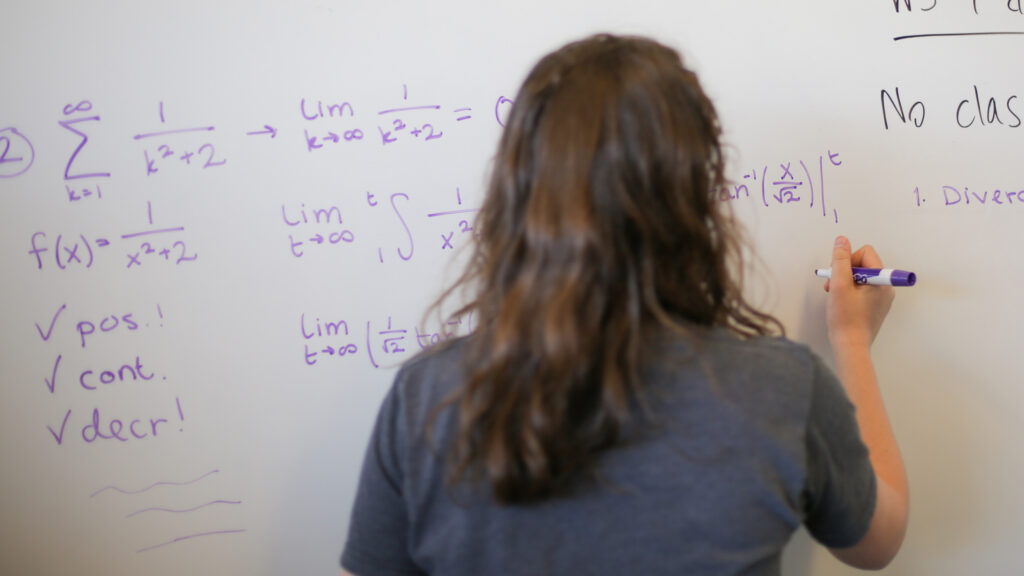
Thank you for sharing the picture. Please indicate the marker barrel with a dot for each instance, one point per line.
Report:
(876, 276)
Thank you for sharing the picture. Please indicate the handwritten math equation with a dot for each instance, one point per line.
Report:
(169, 145)
(790, 184)
(382, 342)
(133, 249)
(309, 228)
(324, 226)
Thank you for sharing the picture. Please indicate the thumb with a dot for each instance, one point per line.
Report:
(842, 270)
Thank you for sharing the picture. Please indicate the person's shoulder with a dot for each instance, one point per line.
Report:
(772, 365)
(433, 373)
(773, 347)
(442, 356)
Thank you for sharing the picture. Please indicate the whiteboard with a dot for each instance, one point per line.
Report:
(221, 223)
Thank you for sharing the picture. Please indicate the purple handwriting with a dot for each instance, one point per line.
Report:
(339, 110)
(91, 379)
(111, 323)
(406, 121)
(786, 184)
(175, 251)
(313, 142)
(385, 342)
(320, 218)
(166, 146)
(501, 110)
(404, 255)
(459, 213)
(99, 428)
(174, 484)
(83, 193)
(407, 253)
(182, 510)
(977, 110)
(267, 129)
(204, 156)
(189, 537)
(166, 150)
(148, 487)
(73, 118)
(964, 196)
(151, 243)
(87, 328)
(97, 425)
(67, 251)
(16, 153)
(311, 227)
(48, 332)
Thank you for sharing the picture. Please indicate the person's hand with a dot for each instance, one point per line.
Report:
(854, 314)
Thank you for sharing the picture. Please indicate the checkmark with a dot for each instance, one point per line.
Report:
(60, 437)
(53, 322)
(51, 382)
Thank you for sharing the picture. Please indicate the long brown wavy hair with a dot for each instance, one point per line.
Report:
(600, 228)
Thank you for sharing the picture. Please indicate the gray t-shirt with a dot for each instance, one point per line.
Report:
(746, 440)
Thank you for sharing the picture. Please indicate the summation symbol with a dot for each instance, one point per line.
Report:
(71, 124)
(75, 117)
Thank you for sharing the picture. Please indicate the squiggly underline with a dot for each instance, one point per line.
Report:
(157, 509)
(153, 485)
(189, 537)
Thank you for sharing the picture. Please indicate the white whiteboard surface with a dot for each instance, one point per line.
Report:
(197, 199)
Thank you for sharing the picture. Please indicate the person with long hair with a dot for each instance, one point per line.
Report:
(620, 406)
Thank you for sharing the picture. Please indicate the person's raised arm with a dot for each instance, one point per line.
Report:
(854, 316)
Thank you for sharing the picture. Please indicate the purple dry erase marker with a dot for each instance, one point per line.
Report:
(876, 276)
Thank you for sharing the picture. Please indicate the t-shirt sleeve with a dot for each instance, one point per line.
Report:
(840, 492)
(378, 532)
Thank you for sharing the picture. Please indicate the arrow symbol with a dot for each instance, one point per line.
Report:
(329, 351)
(319, 239)
(268, 129)
(332, 137)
